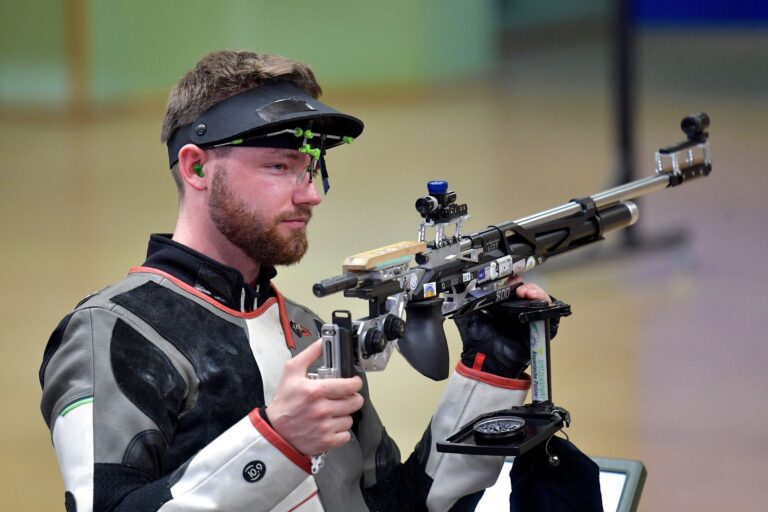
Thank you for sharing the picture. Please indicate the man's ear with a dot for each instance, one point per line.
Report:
(192, 160)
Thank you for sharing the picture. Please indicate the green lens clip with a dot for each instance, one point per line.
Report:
(298, 132)
(313, 152)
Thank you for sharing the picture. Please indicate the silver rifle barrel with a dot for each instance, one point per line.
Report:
(602, 199)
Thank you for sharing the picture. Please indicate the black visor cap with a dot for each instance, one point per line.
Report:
(264, 109)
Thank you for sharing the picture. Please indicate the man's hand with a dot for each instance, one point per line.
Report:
(314, 416)
(495, 343)
(531, 291)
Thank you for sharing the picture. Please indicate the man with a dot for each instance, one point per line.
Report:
(184, 386)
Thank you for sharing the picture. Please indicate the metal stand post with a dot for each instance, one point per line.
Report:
(516, 430)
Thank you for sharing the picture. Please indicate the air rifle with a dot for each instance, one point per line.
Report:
(456, 274)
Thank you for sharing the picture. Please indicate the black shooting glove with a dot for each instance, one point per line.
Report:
(496, 342)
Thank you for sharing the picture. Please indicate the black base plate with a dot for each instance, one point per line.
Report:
(542, 422)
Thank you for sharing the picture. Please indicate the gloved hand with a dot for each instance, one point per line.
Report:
(496, 342)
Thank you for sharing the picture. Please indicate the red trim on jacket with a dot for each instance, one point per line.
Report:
(284, 320)
(278, 298)
(494, 380)
(278, 442)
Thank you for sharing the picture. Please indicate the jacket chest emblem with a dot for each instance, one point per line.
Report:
(300, 330)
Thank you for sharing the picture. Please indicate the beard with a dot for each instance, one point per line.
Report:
(255, 235)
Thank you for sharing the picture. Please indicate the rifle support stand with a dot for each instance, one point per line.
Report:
(516, 430)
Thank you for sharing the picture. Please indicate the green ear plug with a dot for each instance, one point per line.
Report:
(198, 168)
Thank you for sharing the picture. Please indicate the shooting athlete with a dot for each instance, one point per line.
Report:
(184, 386)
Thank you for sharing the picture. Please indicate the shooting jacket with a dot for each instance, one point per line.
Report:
(154, 390)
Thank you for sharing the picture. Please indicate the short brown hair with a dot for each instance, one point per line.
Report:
(222, 74)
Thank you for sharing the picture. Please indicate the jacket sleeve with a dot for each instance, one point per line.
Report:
(112, 422)
(435, 481)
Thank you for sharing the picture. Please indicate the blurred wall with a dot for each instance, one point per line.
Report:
(33, 53)
(127, 49)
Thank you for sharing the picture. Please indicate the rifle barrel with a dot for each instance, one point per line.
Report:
(602, 199)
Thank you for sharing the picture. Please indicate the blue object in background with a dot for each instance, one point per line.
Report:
(701, 12)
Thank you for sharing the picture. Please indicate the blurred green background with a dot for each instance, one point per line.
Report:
(513, 102)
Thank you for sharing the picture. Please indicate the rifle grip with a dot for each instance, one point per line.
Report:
(346, 362)
(424, 345)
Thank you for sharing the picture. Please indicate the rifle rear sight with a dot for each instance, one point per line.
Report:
(439, 209)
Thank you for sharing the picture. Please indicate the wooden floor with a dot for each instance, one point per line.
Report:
(665, 357)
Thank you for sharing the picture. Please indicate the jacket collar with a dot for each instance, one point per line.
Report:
(219, 281)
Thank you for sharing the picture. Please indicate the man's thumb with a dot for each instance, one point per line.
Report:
(304, 359)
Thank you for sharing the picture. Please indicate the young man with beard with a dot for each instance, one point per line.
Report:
(184, 386)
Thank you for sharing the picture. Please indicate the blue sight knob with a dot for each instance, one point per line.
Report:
(437, 187)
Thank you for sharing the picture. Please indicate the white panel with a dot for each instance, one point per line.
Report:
(265, 334)
(611, 488)
(73, 442)
(496, 497)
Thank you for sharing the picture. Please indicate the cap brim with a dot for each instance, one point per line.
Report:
(265, 109)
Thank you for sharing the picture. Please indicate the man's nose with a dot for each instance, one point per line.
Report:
(307, 193)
